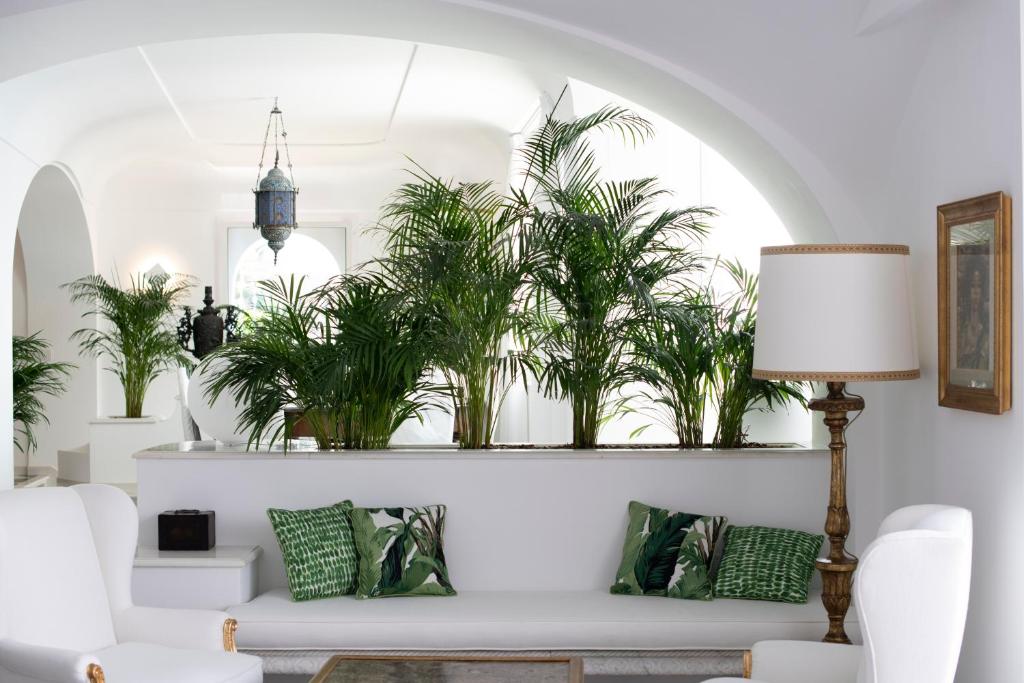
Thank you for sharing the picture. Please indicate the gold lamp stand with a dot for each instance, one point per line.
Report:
(837, 568)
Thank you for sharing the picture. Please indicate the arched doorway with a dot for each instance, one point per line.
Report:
(54, 248)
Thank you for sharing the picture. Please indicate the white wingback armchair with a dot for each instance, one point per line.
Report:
(66, 612)
(911, 591)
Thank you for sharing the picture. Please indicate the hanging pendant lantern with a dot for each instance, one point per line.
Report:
(275, 193)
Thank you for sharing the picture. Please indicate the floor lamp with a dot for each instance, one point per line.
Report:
(835, 313)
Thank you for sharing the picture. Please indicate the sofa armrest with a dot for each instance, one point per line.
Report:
(798, 661)
(188, 629)
(48, 664)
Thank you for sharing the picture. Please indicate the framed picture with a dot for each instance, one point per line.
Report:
(975, 289)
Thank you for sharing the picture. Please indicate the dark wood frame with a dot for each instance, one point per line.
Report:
(997, 399)
(575, 663)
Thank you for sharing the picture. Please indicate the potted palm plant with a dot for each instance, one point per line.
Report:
(674, 359)
(351, 354)
(736, 392)
(604, 252)
(34, 377)
(136, 334)
(456, 253)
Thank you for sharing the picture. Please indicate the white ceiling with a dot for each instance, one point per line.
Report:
(211, 97)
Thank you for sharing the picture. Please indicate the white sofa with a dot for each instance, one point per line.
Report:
(66, 613)
(532, 541)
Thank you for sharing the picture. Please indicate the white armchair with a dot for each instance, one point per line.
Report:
(911, 591)
(66, 612)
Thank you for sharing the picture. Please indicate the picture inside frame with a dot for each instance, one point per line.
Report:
(971, 295)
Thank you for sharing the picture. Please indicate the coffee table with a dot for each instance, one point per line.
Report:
(428, 669)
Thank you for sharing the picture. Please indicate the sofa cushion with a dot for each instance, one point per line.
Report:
(667, 552)
(318, 549)
(144, 663)
(401, 551)
(762, 563)
(544, 620)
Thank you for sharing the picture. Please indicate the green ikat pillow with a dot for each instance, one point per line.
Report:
(319, 550)
(401, 551)
(667, 553)
(761, 563)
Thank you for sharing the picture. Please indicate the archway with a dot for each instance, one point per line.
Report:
(678, 95)
(55, 248)
(67, 31)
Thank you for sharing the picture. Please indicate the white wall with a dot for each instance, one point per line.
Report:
(961, 137)
(17, 178)
(19, 293)
(56, 248)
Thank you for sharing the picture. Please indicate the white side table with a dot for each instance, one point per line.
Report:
(212, 579)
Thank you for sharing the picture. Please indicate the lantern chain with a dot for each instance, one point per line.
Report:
(287, 154)
(266, 136)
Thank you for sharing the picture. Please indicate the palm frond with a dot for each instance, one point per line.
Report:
(34, 377)
(135, 332)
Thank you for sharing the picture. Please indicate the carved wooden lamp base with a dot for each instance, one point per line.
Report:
(838, 566)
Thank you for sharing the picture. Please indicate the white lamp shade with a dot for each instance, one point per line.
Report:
(835, 313)
(218, 419)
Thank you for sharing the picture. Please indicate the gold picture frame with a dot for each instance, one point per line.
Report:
(975, 295)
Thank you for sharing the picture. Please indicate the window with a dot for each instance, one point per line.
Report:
(696, 175)
(318, 254)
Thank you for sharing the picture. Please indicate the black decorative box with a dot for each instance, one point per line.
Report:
(186, 530)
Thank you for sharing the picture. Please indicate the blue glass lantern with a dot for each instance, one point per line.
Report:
(275, 193)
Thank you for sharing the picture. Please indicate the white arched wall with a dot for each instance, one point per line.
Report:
(68, 31)
(56, 248)
(89, 27)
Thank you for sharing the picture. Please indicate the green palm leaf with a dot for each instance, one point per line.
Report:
(136, 331)
(34, 377)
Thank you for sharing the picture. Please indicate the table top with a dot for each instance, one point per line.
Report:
(359, 669)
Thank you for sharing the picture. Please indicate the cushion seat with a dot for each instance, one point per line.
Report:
(145, 663)
(546, 620)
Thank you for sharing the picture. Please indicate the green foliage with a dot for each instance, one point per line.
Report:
(137, 336)
(674, 355)
(699, 345)
(34, 377)
(735, 389)
(605, 253)
(351, 354)
(455, 253)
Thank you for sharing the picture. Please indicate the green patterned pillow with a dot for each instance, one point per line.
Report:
(667, 553)
(760, 563)
(401, 551)
(318, 549)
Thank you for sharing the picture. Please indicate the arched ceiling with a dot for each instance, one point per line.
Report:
(800, 100)
(210, 97)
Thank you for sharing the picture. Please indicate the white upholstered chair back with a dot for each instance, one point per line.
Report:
(65, 562)
(912, 589)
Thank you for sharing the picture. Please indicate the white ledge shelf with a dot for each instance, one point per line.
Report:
(210, 450)
(224, 556)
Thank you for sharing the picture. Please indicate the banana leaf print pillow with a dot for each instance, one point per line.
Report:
(668, 553)
(400, 551)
